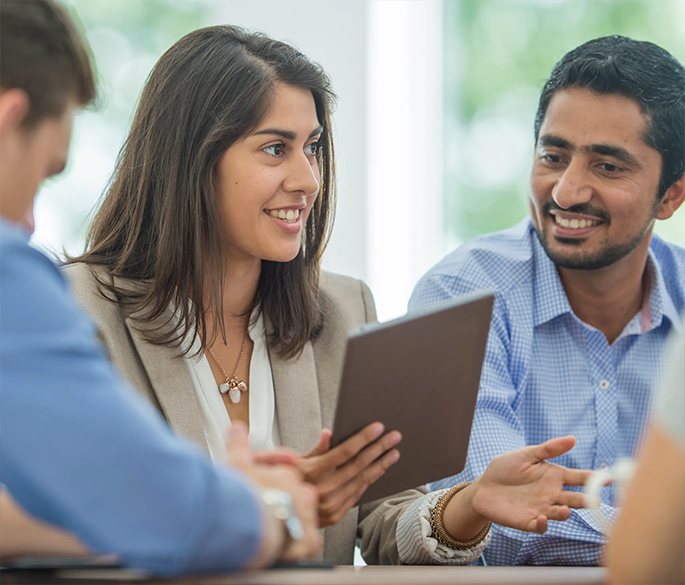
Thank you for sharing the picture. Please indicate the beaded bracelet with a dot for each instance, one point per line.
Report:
(438, 526)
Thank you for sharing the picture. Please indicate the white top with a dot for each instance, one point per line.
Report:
(264, 432)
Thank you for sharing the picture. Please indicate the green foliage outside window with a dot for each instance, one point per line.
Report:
(498, 55)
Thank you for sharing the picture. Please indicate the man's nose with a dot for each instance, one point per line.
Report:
(573, 187)
(303, 176)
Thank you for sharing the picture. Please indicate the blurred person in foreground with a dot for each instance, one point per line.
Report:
(586, 295)
(647, 543)
(90, 466)
(203, 272)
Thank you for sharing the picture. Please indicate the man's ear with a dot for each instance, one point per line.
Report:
(672, 199)
(14, 106)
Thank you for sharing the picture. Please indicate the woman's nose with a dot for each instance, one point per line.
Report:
(303, 176)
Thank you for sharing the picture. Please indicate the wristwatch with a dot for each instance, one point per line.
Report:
(281, 504)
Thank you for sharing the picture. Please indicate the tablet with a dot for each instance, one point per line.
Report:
(418, 374)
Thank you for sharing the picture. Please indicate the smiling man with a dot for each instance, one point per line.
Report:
(586, 294)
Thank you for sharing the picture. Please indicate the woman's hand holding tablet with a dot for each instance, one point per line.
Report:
(342, 474)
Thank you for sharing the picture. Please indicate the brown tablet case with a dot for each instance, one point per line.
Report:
(420, 375)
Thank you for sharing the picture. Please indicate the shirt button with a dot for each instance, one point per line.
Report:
(604, 384)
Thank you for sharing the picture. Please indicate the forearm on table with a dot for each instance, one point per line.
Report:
(647, 543)
(24, 535)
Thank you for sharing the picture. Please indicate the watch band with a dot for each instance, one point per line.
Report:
(281, 505)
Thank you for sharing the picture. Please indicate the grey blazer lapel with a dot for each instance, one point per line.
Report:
(172, 385)
(297, 400)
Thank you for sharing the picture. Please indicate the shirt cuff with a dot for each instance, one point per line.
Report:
(415, 543)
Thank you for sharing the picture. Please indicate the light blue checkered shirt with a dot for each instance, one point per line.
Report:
(547, 374)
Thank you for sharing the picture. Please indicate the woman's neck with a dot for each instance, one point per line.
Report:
(240, 287)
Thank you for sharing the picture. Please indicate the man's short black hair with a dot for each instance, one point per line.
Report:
(43, 53)
(640, 71)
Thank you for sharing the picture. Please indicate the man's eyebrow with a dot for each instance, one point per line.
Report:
(287, 134)
(557, 141)
(612, 150)
(617, 152)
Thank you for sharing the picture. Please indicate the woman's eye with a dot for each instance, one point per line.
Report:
(313, 148)
(275, 149)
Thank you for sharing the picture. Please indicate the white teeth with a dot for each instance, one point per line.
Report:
(290, 216)
(575, 224)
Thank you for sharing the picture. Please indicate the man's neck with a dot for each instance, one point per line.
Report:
(610, 297)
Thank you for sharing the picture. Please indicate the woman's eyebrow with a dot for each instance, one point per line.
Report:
(287, 134)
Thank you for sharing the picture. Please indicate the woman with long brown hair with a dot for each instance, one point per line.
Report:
(202, 269)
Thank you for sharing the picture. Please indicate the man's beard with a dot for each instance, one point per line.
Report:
(606, 255)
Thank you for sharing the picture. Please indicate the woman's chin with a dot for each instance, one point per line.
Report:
(282, 256)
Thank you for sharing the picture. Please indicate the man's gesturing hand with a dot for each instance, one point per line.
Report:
(523, 491)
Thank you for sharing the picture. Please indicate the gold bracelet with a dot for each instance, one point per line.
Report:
(438, 526)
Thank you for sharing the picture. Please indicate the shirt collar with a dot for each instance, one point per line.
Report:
(660, 301)
(550, 299)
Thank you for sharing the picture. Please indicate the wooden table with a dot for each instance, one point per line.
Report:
(411, 575)
(376, 575)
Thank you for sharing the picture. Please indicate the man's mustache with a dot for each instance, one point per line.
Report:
(581, 209)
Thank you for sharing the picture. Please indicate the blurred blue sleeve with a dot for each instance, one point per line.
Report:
(81, 450)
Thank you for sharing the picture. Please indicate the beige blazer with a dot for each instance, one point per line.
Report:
(306, 394)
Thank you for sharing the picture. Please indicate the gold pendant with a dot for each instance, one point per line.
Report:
(234, 387)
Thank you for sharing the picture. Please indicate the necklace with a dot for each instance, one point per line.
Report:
(233, 385)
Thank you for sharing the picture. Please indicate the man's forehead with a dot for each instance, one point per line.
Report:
(584, 117)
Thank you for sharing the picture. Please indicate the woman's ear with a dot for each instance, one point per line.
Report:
(672, 199)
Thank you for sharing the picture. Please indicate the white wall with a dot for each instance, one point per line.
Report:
(405, 148)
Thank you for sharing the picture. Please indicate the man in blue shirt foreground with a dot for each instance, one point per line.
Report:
(79, 449)
(586, 295)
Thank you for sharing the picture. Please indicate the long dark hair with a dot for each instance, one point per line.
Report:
(159, 224)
